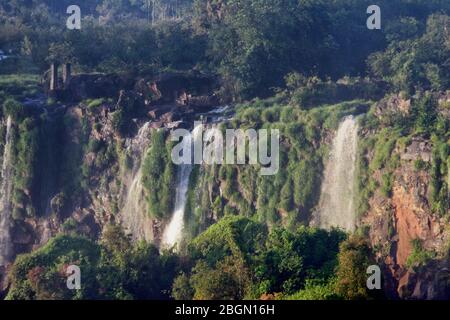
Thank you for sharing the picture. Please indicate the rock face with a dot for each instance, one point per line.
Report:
(431, 283)
(173, 85)
(393, 105)
(413, 219)
(395, 221)
(419, 149)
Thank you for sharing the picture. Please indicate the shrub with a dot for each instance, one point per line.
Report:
(419, 256)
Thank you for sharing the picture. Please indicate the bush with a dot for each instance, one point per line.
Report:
(419, 256)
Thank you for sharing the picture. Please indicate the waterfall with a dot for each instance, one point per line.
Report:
(134, 215)
(5, 198)
(336, 205)
(172, 235)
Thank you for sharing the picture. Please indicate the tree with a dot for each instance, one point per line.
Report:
(424, 113)
(229, 280)
(354, 258)
(182, 289)
(61, 53)
(420, 63)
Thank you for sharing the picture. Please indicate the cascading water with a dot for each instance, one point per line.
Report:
(5, 198)
(134, 212)
(172, 235)
(336, 204)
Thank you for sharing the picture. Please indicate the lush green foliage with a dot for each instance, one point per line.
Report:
(237, 258)
(112, 269)
(425, 120)
(265, 40)
(417, 63)
(292, 50)
(288, 197)
(158, 176)
(354, 258)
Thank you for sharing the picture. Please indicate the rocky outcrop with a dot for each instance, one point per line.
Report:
(395, 104)
(419, 149)
(84, 86)
(165, 88)
(413, 218)
(431, 282)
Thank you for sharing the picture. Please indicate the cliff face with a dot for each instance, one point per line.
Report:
(403, 225)
(98, 180)
(103, 191)
(95, 174)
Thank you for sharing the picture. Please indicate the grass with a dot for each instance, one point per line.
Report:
(18, 86)
(93, 104)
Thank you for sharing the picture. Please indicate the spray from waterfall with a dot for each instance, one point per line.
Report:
(172, 235)
(5, 198)
(337, 205)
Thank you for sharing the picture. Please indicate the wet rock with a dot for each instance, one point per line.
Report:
(21, 235)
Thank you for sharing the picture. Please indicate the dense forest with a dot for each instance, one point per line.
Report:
(265, 40)
(300, 66)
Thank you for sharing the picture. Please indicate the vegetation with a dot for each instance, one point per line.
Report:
(354, 258)
(298, 66)
(242, 260)
(111, 269)
(419, 256)
(158, 176)
(317, 38)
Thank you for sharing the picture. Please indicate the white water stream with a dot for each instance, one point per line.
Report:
(173, 233)
(337, 200)
(5, 198)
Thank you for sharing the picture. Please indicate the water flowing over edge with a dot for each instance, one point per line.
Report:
(172, 235)
(5, 198)
(337, 200)
(134, 215)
